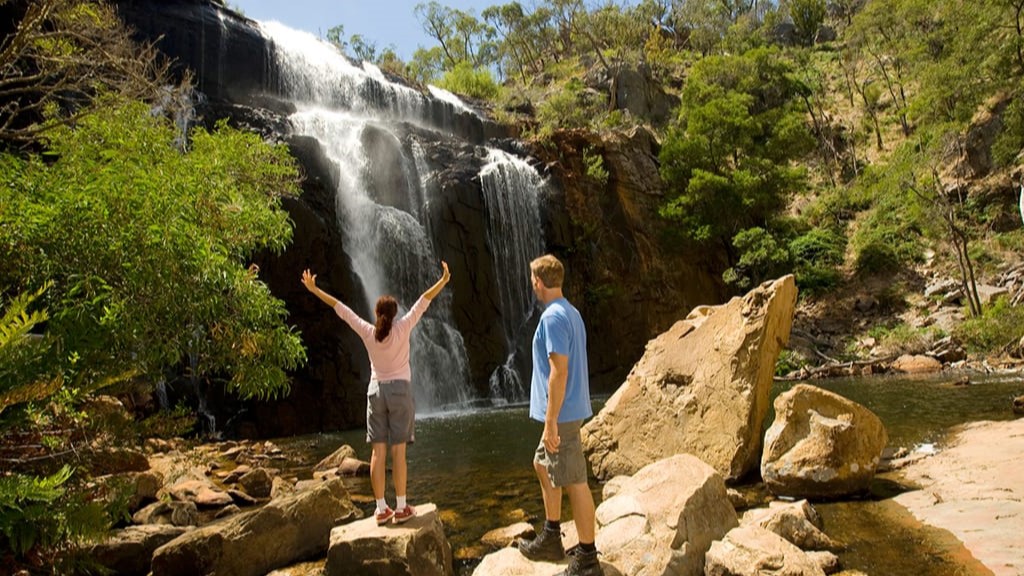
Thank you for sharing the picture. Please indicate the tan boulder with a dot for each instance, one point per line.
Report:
(336, 458)
(916, 364)
(797, 522)
(510, 562)
(664, 518)
(701, 388)
(253, 543)
(754, 551)
(821, 445)
(505, 536)
(127, 552)
(416, 548)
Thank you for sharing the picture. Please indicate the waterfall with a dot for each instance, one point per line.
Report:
(382, 193)
(342, 106)
(511, 194)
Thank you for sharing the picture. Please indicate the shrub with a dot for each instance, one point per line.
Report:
(816, 257)
(1000, 325)
(469, 81)
(877, 257)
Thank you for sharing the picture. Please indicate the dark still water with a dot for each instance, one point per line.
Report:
(476, 466)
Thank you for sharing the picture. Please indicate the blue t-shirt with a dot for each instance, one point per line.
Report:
(561, 331)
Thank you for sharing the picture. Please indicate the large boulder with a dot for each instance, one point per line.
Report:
(127, 552)
(701, 388)
(753, 551)
(281, 533)
(797, 522)
(416, 548)
(821, 445)
(664, 518)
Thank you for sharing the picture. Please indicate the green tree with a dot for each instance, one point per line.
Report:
(807, 16)
(336, 36)
(727, 159)
(146, 248)
(460, 35)
(761, 257)
(515, 48)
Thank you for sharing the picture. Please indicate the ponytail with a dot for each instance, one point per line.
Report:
(387, 309)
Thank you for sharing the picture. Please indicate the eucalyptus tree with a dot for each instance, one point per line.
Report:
(807, 16)
(460, 35)
(522, 37)
(728, 157)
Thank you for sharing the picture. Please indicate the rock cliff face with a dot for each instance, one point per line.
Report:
(628, 281)
(627, 284)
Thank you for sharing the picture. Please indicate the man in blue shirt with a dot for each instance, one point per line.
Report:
(560, 398)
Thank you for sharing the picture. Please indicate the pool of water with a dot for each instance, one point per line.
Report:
(476, 466)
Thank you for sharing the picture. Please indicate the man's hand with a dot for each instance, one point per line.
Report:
(550, 438)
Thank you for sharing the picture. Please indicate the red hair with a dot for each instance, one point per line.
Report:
(387, 308)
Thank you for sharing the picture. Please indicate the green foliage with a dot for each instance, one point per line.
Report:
(761, 257)
(573, 106)
(25, 358)
(891, 233)
(728, 157)
(145, 246)
(1001, 325)
(595, 166)
(877, 257)
(817, 256)
(905, 339)
(789, 362)
(1006, 149)
(807, 15)
(336, 37)
(169, 423)
(39, 513)
(469, 81)
(460, 35)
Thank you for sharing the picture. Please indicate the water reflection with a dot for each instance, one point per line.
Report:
(476, 467)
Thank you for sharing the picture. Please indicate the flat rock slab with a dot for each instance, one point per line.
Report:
(975, 489)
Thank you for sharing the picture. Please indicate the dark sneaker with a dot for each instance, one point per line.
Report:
(582, 563)
(404, 514)
(546, 547)
(385, 516)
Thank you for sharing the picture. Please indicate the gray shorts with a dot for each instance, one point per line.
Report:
(567, 466)
(390, 412)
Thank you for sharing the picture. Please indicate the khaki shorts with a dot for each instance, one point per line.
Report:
(390, 412)
(567, 466)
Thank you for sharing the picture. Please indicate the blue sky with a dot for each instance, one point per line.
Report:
(383, 22)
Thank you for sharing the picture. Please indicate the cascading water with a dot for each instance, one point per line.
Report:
(338, 103)
(354, 112)
(511, 194)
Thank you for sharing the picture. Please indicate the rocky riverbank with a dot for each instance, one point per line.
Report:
(974, 488)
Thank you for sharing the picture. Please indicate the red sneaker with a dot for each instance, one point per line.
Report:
(405, 514)
(385, 516)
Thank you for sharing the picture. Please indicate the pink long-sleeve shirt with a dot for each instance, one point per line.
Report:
(389, 360)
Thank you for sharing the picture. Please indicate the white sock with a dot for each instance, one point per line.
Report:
(401, 503)
(382, 505)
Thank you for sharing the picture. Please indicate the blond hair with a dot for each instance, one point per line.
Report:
(549, 270)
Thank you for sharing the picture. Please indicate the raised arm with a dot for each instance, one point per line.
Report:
(309, 281)
(434, 290)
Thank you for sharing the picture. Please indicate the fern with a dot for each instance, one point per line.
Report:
(25, 508)
(23, 375)
(45, 515)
